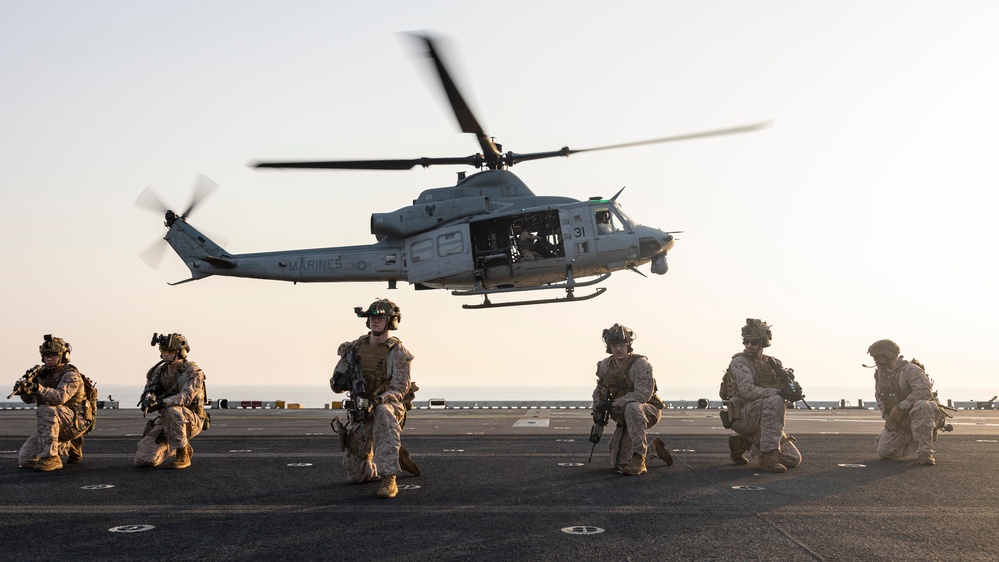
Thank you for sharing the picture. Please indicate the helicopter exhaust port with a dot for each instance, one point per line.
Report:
(659, 265)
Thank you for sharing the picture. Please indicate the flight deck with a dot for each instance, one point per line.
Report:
(506, 484)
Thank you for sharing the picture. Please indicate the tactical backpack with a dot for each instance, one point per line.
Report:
(88, 408)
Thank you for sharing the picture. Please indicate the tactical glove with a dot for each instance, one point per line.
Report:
(789, 393)
(894, 418)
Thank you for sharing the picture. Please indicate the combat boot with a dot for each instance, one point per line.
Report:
(407, 463)
(183, 458)
(737, 446)
(388, 489)
(927, 459)
(635, 466)
(662, 452)
(769, 462)
(30, 463)
(48, 464)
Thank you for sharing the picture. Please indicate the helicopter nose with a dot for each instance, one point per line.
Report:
(653, 243)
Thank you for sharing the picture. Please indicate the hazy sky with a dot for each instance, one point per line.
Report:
(862, 214)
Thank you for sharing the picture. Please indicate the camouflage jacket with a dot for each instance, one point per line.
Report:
(63, 387)
(397, 369)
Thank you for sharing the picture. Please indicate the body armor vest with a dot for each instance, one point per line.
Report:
(51, 378)
(616, 378)
(374, 365)
(890, 391)
(169, 385)
(764, 374)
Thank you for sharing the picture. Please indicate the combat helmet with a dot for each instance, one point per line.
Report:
(884, 347)
(383, 308)
(756, 329)
(56, 345)
(618, 334)
(176, 343)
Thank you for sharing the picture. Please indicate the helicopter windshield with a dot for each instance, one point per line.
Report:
(625, 219)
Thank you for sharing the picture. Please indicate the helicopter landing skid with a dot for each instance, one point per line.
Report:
(569, 297)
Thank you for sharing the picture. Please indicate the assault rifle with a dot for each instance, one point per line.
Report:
(792, 390)
(601, 417)
(353, 383)
(149, 401)
(27, 382)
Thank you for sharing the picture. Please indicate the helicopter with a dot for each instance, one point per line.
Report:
(487, 234)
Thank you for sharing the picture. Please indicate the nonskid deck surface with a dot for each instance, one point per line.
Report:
(503, 485)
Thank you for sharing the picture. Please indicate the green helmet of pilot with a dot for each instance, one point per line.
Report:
(617, 334)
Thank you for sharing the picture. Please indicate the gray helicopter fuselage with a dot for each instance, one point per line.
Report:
(487, 231)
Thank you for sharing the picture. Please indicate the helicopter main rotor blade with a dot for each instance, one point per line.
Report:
(203, 188)
(513, 158)
(148, 199)
(466, 119)
(475, 161)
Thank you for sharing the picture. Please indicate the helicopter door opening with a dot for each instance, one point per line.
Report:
(516, 239)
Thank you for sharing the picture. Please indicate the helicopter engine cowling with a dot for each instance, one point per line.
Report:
(421, 217)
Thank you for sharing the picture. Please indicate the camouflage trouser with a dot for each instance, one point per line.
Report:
(171, 431)
(913, 435)
(378, 452)
(762, 423)
(631, 437)
(57, 429)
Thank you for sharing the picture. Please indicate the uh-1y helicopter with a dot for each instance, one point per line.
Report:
(487, 234)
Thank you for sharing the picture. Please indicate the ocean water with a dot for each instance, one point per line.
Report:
(318, 395)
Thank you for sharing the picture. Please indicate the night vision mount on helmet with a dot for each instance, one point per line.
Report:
(176, 343)
(381, 308)
(487, 234)
(58, 346)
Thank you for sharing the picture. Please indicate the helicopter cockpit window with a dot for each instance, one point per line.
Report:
(606, 221)
(624, 218)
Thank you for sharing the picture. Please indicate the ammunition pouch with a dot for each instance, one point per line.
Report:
(207, 423)
(726, 423)
(341, 432)
(657, 401)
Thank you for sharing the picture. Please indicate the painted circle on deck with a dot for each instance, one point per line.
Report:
(131, 528)
(97, 487)
(582, 530)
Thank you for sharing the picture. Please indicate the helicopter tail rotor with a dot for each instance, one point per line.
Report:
(150, 200)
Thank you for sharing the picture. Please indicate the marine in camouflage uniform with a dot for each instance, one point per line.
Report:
(905, 397)
(757, 404)
(61, 414)
(625, 378)
(373, 444)
(179, 389)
